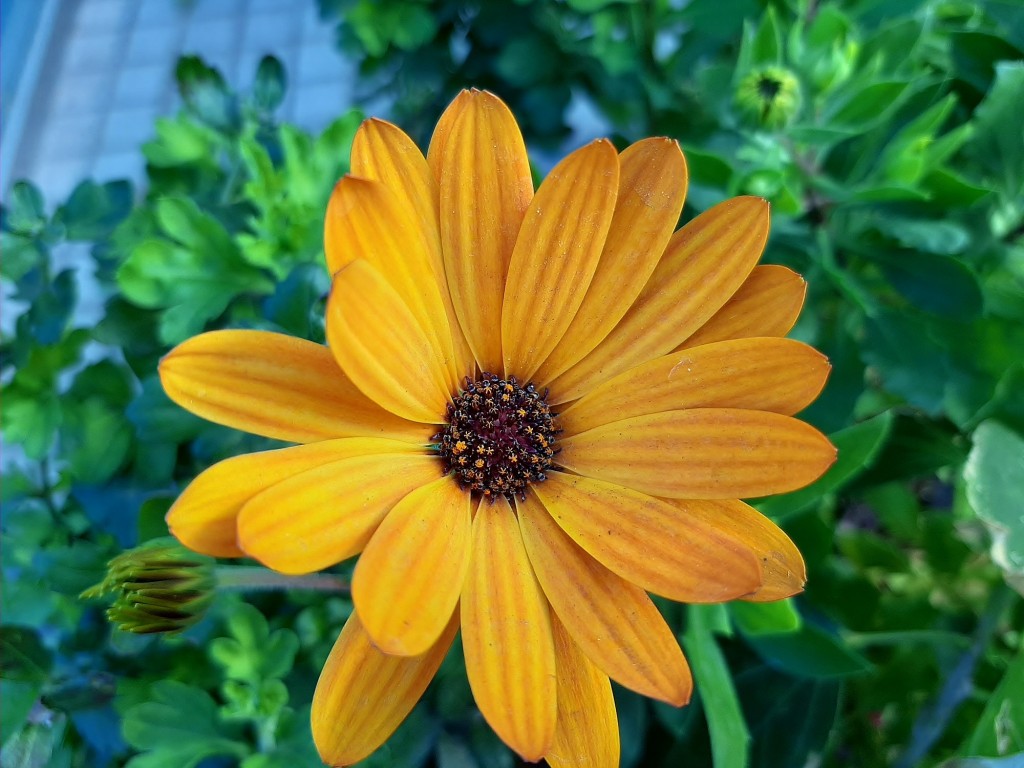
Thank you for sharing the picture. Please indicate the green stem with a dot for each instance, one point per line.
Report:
(256, 578)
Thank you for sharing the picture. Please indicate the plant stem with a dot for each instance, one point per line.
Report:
(257, 578)
(932, 720)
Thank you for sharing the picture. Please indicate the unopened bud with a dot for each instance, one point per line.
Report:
(158, 587)
(769, 97)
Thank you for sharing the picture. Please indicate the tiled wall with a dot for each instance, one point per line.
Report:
(108, 72)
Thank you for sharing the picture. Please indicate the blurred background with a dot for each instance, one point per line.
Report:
(164, 170)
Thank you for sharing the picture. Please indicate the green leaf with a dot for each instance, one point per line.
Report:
(791, 718)
(253, 653)
(729, 736)
(21, 254)
(867, 107)
(912, 362)
(177, 728)
(935, 283)
(996, 146)
(158, 419)
(204, 92)
(809, 652)
(1000, 729)
(31, 421)
(193, 282)
(23, 657)
(271, 82)
(995, 476)
(857, 445)
(766, 45)
(26, 213)
(916, 447)
(765, 618)
(180, 141)
(94, 210)
(95, 440)
(24, 667)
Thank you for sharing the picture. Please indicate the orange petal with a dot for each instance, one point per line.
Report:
(587, 733)
(703, 453)
(363, 695)
(408, 580)
(324, 515)
(383, 349)
(277, 386)
(486, 187)
(652, 187)
(782, 567)
(705, 263)
(767, 304)
(647, 542)
(612, 620)
(778, 375)
(556, 255)
(383, 152)
(205, 516)
(506, 635)
(365, 220)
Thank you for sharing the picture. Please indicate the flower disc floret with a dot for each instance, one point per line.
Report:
(500, 437)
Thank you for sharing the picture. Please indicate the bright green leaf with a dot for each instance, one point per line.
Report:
(995, 477)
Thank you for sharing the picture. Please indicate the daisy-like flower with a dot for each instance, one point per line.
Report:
(533, 410)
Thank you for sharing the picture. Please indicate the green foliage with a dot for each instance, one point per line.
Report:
(892, 156)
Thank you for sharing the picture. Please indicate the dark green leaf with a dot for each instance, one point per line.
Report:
(809, 652)
(204, 92)
(996, 146)
(268, 90)
(26, 213)
(93, 210)
(940, 284)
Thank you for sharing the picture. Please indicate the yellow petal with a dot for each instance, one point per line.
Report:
(442, 132)
(409, 578)
(365, 220)
(277, 386)
(363, 694)
(778, 375)
(782, 567)
(486, 187)
(587, 733)
(205, 516)
(652, 187)
(506, 635)
(556, 255)
(703, 453)
(647, 542)
(327, 514)
(767, 304)
(380, 345)
(383, 152)
(613, 621)
(705, 263)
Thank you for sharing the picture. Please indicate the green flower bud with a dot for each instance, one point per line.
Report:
(158, 587)
(768, 97)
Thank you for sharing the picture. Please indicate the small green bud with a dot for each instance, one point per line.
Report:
(769, 97)
(158, 587)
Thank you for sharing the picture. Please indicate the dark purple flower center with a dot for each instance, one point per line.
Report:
(500, 437)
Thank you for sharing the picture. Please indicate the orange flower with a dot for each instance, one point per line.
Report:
(533, 410)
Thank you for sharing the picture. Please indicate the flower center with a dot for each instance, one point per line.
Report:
(500, 437)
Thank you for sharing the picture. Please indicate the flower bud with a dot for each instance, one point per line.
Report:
(768, 97)
(158, 587)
